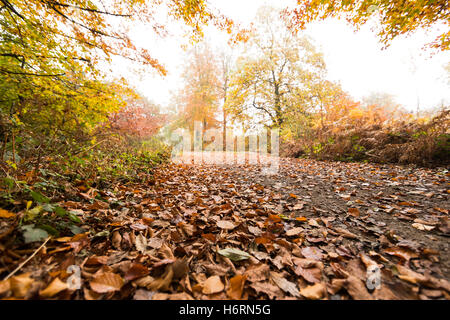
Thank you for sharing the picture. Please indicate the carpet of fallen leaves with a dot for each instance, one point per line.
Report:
(311, 231)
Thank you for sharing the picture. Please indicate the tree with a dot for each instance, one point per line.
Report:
(140, 118)
(50, 53)
(225, 62)
(396, 17)
(198, 100)
(278, 73)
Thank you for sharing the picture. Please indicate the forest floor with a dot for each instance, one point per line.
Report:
(312, 230)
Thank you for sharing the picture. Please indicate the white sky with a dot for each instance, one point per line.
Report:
(355, 59)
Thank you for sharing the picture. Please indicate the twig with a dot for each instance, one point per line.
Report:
(29, 258)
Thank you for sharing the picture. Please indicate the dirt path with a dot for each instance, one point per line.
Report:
(344, 211)
(314, 230)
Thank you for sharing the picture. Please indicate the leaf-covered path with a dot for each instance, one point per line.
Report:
(314, 230)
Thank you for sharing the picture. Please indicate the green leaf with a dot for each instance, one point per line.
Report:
(49, 229)
(9, 182)
(33, 213)
(76, 229)
(73, 217)
(104, 233)
(60, 211)
(48, 207)
(32, 234)
(234, 254)
(39, 197)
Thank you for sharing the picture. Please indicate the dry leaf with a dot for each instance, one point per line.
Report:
(141, 243)
(353, 211)
(294, 232)
(284, 284)
(313, 292)
(236, 287)
(212, 285)
(21, 284)
(267, 288)
(6, 214)
(55, 287)
(116, 239)
(106, 282)
(227, 225)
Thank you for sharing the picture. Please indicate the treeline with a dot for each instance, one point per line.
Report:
(278, 79)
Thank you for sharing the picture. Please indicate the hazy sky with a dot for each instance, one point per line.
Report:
(355, 59)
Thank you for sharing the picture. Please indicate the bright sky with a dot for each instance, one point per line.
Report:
(355, 59)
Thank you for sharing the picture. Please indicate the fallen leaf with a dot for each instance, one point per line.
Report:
(136, 271)
(141, 243)
(236, 287)
(106, 282)
(257, 272)
(312, 253)
(212, 285)
(55, 287)
(21, 284)
(284, 284)
(234, 254)
(403, 253)
(6, 214)
(294, 232)
(353, 211)
(313, 292)
(423, 227)
(269, 289)
(116, 239)
(227, 225)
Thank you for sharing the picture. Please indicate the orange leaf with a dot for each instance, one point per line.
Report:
(106, 282)
(236, 287)
(209, 236)
(55, 287)
(274, 218)
(354, 212)
(6, 214)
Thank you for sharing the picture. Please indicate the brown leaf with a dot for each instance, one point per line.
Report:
(174, 296)
(212, 285)
(141, 243)
(55, 287)
(180, 268)
(267, 288)
(227, 225)
(96, 260)
(312, 253)
(403, 253)
(312, 275)
(313, 292)
(209, 236)
(116, 239)
(5, 286)
(353, 211)
(142, 294)
(236, 287)
(21, 284)
(356, 288)
(284, 284)
(410, 276)
(136, 271)
(257, 272)
(106, 282)
(294, 232)
(164, 282)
